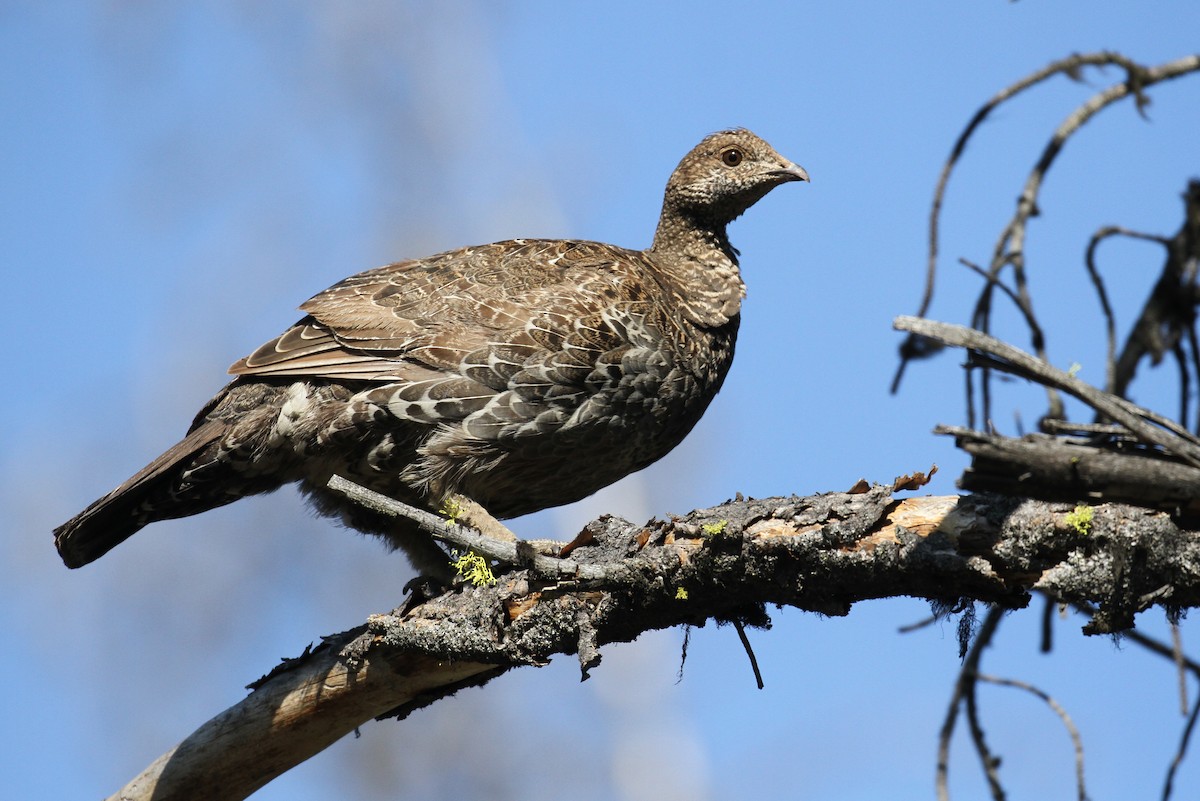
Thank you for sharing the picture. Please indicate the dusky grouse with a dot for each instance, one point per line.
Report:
(519, 375)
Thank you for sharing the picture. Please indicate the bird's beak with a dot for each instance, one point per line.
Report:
(792, 172)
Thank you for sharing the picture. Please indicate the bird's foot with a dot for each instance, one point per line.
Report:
(545, 547)
(467, 512)
(464, 511)
(423, 588)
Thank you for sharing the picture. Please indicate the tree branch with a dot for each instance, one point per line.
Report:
(821, 553)
(1094, 470)
(1147, 426)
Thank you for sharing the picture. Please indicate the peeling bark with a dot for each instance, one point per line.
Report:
(821, 553)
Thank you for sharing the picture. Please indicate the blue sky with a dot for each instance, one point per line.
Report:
(175, 181)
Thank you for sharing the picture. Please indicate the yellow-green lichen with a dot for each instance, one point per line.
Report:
(713, 529)
(451, 509)
(681, 594)
(1080, 519)
(473, 568)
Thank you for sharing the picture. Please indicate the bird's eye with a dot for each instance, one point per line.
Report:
(731, 157)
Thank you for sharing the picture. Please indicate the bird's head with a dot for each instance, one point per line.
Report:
(727, 173)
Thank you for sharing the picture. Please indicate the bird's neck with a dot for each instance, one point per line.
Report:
(695, 256)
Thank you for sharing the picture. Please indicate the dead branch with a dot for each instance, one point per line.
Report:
(1071, 66)
(1009, 250)
(1147, 427)
(1130, 454)
(1110, 321)
(1068, 724)
(964, 695)
(1092, 470)
(1181, 752)
(821, 553)
(1170, 311)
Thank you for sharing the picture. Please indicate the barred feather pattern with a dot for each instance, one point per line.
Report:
(522, 374)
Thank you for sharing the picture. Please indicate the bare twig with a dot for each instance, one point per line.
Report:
(1110, 326)
(462, 536)
(1185, 384)
(1046, 642)
(1069, 66)
(1147, 426)
(1181, 752)
(1181, 365)
(1149, 643)
(1177, 652)
(993, 278)
(741, 631)
(1168, 317)
(1072, 729)
(1010, 247)
(909, 628)
(964, 690)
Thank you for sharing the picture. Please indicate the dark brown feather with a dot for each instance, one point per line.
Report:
(111, 520)
(522, 374)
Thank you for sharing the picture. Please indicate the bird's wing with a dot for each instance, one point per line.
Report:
(511, 299)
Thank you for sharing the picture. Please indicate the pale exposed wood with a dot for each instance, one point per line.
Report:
(294, 715)
(820, 553)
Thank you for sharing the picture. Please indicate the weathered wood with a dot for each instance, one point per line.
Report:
(299, 712)
(821, 553)
(1073, 469)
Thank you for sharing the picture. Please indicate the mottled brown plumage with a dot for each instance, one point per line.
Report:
(522, 374)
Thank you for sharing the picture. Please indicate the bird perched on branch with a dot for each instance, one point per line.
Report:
(513, 376)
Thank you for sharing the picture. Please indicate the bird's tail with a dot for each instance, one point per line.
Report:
(157, 492)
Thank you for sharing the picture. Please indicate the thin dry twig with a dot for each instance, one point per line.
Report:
(964, 689)
(1009, 250)
(1110, 325)
(1030, 320)
(1181, 752)
(909, 628)
(741, 632)
(1177, 652)
(1168, 317)
(1185, 384)
(1069, 66)
(1010, 247)
(1072, 729)
(1046, 642)
(1149, 427)
(987, 760)
(1149, 643)
(448, 531)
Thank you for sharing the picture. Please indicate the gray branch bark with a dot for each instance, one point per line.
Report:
(821, 553)
(1059, 468)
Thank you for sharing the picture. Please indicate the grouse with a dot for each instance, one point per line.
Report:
(518, 375)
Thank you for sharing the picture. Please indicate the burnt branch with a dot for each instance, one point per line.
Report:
(1071, 67)
(1169, 314)
(1092, 470)
(1110, 323)
(1009, 250)
(1056, 708)
(1143, 425)
(821, 553)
